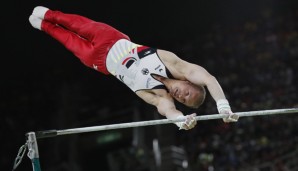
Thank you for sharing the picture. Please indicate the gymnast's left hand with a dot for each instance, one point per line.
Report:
(223, 107)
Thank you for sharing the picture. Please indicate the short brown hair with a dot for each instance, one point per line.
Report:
(201, 98)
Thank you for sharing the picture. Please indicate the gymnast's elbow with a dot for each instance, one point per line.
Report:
(161, 110)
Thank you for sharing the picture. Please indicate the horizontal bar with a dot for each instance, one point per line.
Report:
(53, 133)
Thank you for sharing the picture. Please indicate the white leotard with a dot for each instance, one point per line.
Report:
(133, 64)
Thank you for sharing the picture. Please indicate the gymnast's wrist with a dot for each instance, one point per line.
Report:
(180, 124)
(223, 105)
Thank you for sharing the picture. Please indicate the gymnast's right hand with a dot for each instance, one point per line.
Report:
(189, 123)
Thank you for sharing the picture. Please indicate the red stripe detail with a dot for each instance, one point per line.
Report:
(142, 48)
(126, 60)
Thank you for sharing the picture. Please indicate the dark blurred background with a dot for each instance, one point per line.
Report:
(251, 47)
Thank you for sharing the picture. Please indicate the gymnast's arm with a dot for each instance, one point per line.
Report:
(167, 108)
(195, 74)
(199, 76)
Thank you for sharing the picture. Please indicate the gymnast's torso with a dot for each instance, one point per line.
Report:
(135, 64)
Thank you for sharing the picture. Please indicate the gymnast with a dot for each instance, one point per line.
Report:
(157, 76)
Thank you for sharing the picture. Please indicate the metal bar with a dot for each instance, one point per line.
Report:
(52, 133)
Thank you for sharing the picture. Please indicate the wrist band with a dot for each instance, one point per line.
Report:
(223, 104)
(179, 124)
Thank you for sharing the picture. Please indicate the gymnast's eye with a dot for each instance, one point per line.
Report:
(187, 93)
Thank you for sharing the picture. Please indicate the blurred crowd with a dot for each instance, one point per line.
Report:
(256, 63)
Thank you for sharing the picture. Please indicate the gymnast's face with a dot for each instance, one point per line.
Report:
(186, 93)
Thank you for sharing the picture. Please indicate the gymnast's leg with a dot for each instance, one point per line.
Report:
(61, 27)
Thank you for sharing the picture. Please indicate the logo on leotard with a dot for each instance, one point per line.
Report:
(146, 53)
(148, 82)
(145, 71)
(157, 67)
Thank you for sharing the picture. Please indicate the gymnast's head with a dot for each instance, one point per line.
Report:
(184, 91)
(187, 93)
